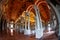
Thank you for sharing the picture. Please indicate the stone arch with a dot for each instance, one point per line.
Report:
(53, 12)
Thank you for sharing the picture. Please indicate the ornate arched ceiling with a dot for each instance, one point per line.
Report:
(32, 16)
(14, 8)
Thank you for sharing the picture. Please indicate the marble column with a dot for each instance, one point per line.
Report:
(38, 29)
(58, 14)
(29, 30)
(7, 27)
(20, 28)
(27, 26)
(58, 17)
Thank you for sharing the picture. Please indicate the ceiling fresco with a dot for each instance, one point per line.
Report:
(14, 8)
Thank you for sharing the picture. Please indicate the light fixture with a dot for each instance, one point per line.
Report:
(11, 28)
(49, 28)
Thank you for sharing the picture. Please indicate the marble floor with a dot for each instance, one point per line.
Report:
(21, 36)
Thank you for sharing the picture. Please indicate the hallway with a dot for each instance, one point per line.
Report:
(29, 20)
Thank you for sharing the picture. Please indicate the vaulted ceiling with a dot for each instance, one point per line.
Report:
(14, 8)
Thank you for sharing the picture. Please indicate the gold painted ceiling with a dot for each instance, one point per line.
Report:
(14, 8)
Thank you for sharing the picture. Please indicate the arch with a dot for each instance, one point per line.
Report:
(42, 5)
(36, 2)
(41, 2)
(47, 13)
(20, 16)
(29, 8)
(31, 17)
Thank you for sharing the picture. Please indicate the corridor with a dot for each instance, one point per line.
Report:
(29, 20)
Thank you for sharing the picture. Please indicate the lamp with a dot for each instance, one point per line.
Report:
(11, 28)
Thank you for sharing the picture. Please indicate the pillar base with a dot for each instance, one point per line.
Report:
(21, 30)
(33, 32)
(39, 33)
(27, 32)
